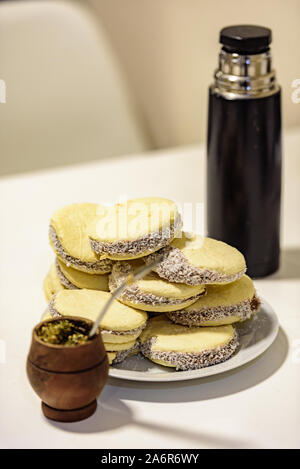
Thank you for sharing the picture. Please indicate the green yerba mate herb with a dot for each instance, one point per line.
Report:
(63, 332)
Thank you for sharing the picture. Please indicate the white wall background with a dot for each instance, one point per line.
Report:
(90, 79)
(67, 99)
(169, 50)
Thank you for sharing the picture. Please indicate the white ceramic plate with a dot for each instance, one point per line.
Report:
(255, 337)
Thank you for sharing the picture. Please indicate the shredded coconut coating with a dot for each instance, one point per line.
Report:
(52, 310)
(150, 242)
(175, 267)
(63, 280)
(191, 361)
(243, 310)
(56, 314)
(124, 353)
(102, 266)
(133, 294)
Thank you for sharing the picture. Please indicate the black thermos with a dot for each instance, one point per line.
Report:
(244, 149)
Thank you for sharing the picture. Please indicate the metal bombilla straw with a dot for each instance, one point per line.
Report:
(131, 278)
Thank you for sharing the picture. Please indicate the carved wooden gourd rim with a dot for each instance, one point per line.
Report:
(62, 346)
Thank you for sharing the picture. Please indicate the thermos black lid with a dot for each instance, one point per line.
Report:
(246, 39)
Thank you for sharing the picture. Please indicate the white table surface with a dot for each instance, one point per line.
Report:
(254, 406)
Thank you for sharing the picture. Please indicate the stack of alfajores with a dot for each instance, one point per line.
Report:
(198, 290)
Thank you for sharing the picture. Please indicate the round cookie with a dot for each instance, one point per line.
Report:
(51, 284)
(119, 347)
(46, 316)
(199, 260)
(75, 279)
(135, 228)
(152, 293)
(118, 357)
(222, 304)
(186, 348)
(68, 238)
(120, 324)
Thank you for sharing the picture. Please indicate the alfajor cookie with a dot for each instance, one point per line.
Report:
(152, 293)
(68, 238)
(119, 356)
(135, 228)
(121, 324)
(117, 353)
(196, 260)
(222, 304)
(187, 348)
(73, 279)
(51, 283)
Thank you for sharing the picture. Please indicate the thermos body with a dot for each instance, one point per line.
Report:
(244, 178)
(244, 175)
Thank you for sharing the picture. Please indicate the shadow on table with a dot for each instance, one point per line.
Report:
(113, 412)
(289, 265)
